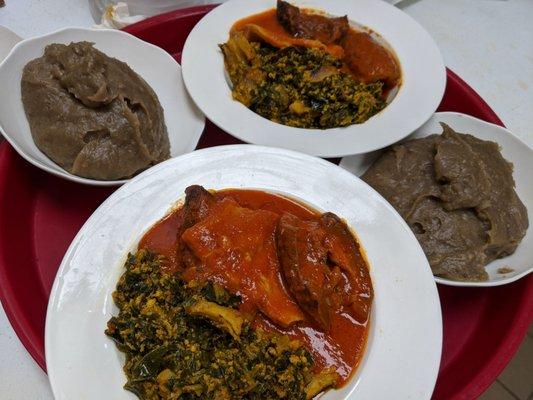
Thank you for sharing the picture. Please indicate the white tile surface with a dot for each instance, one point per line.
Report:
(489, 43)
(36, 17)
(22, 378)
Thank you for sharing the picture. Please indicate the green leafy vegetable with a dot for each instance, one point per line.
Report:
(297, 86)
(176, 350)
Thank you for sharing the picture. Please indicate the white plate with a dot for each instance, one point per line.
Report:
(513, 150)
(403, 353)
(184, 121)
(8, 39)
(424, 79)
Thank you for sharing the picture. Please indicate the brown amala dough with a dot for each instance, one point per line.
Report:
(92, 114)
(457, 194)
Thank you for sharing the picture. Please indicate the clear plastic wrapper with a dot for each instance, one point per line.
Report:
(138, 9)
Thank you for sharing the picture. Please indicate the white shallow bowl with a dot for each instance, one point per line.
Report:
(513, 150)
(8, 40)
(424, 79)
(184, 121)
(404, 347)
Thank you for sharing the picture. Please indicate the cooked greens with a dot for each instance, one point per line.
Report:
(297, 86)
(190, 342)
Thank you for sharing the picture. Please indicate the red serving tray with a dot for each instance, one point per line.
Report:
(40, 215)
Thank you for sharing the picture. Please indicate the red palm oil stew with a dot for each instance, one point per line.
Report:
(302, 68)
(284, 289)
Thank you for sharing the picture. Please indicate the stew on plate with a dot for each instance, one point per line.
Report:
(242, 294)
(305, 69)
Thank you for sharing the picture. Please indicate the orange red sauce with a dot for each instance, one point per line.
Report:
(362, 56)
(277, 36)
(267, 20)
(162, 239)
(341, 347)
(236, 247)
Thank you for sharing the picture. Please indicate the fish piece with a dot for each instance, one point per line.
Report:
(301, 24)
(323, 267)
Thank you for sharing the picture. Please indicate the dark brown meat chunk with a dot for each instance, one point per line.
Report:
(323, 267)
(198, 203)
(311, 26)
(368, 60)
(344, 252)
(457, 194)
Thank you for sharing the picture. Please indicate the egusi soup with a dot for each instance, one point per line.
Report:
(301, 68)
(242, 294)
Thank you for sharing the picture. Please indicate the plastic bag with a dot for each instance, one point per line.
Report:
(154, 7)
(143, 8)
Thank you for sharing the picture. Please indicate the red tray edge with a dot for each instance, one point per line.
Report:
(502, 356)
(474, 97)
(7, 296)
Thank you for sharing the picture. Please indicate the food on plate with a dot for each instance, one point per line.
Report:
(311, 26)
(92, 114)
(242, 294)
(308, 70)
(318, 283)
(457, 194)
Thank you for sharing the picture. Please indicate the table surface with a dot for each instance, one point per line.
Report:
(489, 43)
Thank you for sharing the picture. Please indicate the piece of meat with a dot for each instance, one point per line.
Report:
(235, 247)
(311, 26)
(323, 267)
(303, 260)
(198, 204)
(368, 60)
(344, 252)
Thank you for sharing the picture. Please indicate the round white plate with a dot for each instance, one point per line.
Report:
(513, 150)
(403, 352)
(8, 39)
(184, 121)
(424, 79)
